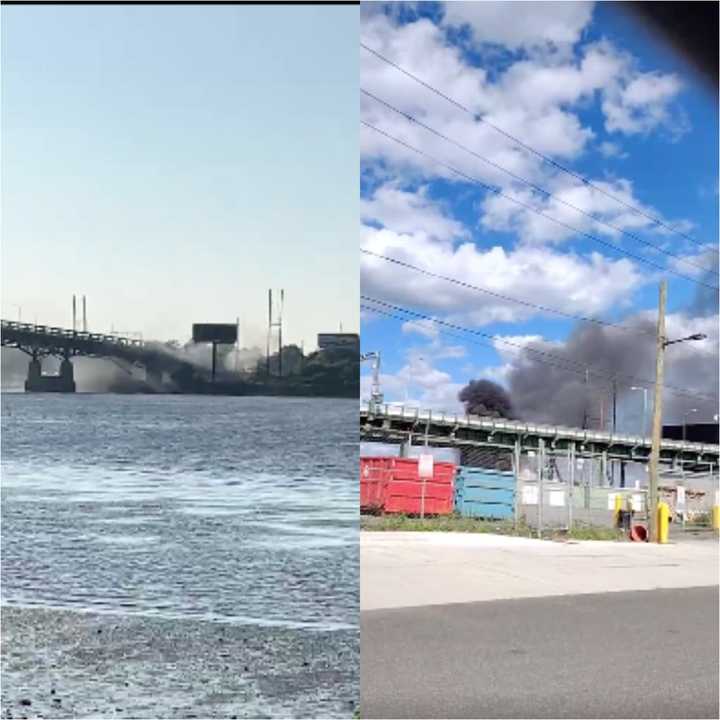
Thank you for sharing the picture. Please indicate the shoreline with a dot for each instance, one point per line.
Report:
(79, 663)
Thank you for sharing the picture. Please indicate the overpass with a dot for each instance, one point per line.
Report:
(472, 434)
(39, 341)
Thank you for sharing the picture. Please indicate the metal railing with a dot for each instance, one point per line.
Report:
(55, 332)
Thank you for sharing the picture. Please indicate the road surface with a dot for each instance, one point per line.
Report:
(483, 626)
(637, 654)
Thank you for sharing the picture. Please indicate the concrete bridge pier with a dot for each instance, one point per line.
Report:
(34, 374)
(62, 382)
(67, 376)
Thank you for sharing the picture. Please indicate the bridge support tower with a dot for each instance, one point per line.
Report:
(63, 382)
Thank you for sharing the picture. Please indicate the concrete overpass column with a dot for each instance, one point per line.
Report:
(67, 375)
(32, 382)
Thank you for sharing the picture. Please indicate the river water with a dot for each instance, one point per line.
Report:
(236, 510)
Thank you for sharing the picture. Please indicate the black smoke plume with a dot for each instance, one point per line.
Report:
(484, 397)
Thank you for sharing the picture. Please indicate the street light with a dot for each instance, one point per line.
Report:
(644, 390)
(685, 417)
(695, 336)
(662, 344)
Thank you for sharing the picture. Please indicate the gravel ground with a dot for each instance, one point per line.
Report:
(62, 664)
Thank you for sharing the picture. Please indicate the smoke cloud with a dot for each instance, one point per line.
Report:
(543, 393)
(484, 397)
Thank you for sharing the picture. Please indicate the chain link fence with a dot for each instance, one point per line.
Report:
(560, 492)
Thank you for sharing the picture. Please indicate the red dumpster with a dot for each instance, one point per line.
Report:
(374, 473)
(394, 485)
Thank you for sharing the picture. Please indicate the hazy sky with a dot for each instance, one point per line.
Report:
(173, 163)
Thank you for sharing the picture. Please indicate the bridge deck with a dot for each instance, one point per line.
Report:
(397, 423)
(47, 340)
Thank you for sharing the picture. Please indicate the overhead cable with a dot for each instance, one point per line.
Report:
(565, 364)
(526, 303)
(528, 148)
(497, 191)
(545, 193)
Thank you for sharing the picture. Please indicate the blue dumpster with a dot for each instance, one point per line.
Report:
(484, 493)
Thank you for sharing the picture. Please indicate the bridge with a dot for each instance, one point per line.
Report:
(472, 435)
(39, 341)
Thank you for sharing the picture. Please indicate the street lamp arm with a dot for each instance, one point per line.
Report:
(694, 336)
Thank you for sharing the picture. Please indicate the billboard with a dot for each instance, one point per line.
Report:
(335, 341)
(225, 333)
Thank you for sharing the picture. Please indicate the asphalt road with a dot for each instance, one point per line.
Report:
(640, 654)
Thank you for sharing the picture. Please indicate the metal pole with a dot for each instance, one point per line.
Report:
(645, 428)
(571, 484)
(280, 345)
(614, 427)
(657, 415)
(214, 360)
(237, 344)
(516, 467)
(614, 407)
(541, 472)
(84, 315)
(267, 362)
(74, 315)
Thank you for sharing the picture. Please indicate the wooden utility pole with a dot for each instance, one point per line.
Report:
(657, 416)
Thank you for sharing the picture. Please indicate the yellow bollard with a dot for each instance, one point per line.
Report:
(663, 522)
(618, 508)
(716, 517)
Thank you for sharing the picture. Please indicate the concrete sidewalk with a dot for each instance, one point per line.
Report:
(411, 569)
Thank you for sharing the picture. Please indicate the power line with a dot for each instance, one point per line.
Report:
(520, 349)
(567, 364)
(528, 148)
(586, 375)
(527, 206)
(526, 303)
(546, 194)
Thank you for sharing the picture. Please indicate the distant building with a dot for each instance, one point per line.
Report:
(339, 341)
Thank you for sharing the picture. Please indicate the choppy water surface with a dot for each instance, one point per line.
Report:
(233, 509)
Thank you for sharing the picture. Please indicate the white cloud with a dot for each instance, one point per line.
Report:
(578, 285)
(611, 150)
(521, 24)
(702, 262)
(579, 207)
(535, 99)
(419, 384)
(639, 103)
(409, 212)
(426, 328)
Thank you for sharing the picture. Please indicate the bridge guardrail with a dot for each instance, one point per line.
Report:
(48, 330)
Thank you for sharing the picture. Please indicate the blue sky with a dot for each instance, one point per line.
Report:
(588, 88)
(172, 163)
